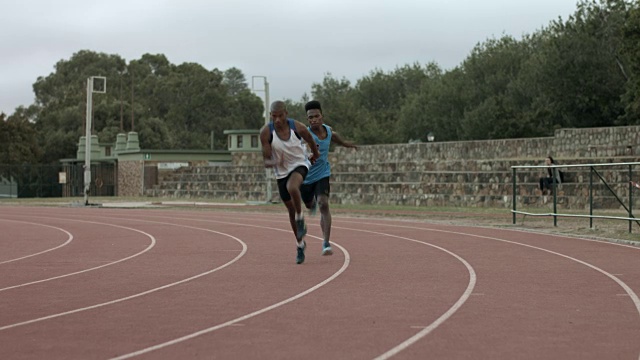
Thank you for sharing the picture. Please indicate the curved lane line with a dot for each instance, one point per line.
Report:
(347, 260)
(623, 285)
(632, 295)
(527, 231)
(149, 247)
(244, 250)
(447, 314)
(466, 294)
(376, 221)
(70, 238)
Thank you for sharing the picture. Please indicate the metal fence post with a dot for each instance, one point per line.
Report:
(591, 197)
(630, 199)
(513, 195)
(555, 196)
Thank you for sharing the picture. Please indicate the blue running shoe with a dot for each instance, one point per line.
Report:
(326, 249)
(300, 257)
(301, 229)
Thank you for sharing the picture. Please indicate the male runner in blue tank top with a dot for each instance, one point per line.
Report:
(315, 189)
(284, 150)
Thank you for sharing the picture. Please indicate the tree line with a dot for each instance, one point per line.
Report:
(169, 106)
(583, 71)
(580, 72)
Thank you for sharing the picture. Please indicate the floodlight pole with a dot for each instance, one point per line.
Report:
(87, 140)
(266, 122)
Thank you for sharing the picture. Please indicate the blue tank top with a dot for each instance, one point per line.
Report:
(321, 168)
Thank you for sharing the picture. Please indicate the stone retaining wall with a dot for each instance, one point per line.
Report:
(465, 173)
(130, 178)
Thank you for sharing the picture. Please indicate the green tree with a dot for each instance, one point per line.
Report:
(576, 73)
(338, 106)
(490, 70)
(235, 81)
(416, 119)
(379, 97)
(630, 49)
(444, 106)
(296, 109)
(18, 138)
(197, 104)
(60, 106)
(155, 134)
(148, 95)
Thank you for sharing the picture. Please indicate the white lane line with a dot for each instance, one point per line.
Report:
(244, 250)
(613, 277)
(526, 231)
(447, 314)
(627, 289)
(347, 260)
(345, 265)
(632, 295)
(376, 221)
(149, 247)
(463, 298)
(69, 239)
(622, 284)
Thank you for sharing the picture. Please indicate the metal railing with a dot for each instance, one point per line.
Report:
(29, 181)
(592, 171)
(43, 181)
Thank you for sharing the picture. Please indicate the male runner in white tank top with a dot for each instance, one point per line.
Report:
(283, 149)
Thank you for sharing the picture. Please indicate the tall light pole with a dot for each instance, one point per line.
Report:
(97, 84)
(266, 122)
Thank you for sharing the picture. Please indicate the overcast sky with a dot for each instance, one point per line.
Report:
(294, 43)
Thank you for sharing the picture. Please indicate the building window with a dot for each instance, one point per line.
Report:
(254, 141)
(239, 139)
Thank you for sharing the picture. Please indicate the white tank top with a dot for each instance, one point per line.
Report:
(288, 154)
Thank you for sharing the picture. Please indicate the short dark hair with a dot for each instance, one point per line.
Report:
(313, 104)
(278, 105)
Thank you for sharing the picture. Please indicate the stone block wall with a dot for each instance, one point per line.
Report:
(215, 182)
(464, 173)
(597, 142)
(130, 178)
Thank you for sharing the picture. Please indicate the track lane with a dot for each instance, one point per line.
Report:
(521, 290)
(362, 293)
(566, 288)
(20, 241)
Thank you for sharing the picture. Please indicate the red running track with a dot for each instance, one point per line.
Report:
(95, 283)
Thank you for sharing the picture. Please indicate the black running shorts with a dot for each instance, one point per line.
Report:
(320, 187)
(282, 183)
